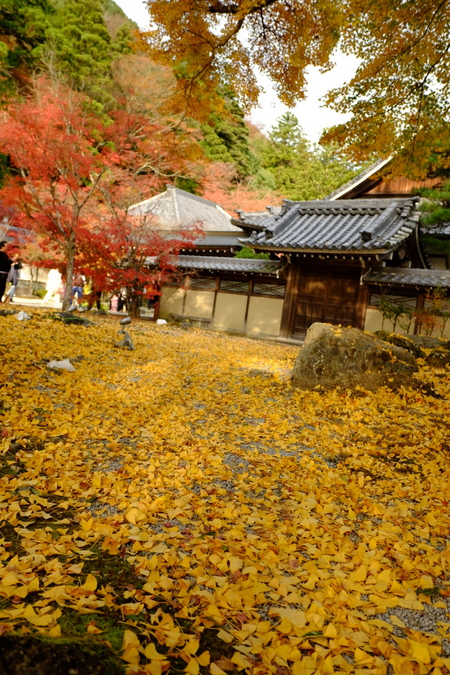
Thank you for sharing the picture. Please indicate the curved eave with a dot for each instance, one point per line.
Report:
(328, 251)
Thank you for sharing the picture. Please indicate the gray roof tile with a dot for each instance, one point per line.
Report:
(178, 208)
(229, 264)
(400, 276)
(258, 220)
(440, 231)
(346, 225)
(218, 264)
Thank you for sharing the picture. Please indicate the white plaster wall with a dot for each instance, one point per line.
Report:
(230, 312)
(264, 316)
(199, 304)
(171, 301)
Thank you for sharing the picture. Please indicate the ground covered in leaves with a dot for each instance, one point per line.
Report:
(183, 505)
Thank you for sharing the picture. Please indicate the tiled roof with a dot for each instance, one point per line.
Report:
(178, 208)
(219, 264)
(364, 175)
(347, 225)
(228, 264)
(443, 231)
(258, 220)
(400, 276)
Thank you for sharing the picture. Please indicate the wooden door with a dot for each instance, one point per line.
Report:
(328, 296)
(311, 299)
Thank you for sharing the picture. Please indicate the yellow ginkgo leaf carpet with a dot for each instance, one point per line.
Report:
(184, 505)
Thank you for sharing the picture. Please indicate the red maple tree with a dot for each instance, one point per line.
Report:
(74, 175)
(220, 185)
(133, 253)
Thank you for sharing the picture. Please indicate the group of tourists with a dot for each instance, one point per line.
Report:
(9, 273)
(83, 293)
(10, 268)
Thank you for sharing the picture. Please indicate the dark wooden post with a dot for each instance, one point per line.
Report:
(290, 301)
(361, 306)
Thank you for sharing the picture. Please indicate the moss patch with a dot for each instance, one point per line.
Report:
(75, 625)
(112, 570)
(30, 655)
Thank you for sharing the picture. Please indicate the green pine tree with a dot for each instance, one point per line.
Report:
(123, 41)
(226, 139)
(286, 155)
(23, 26)
(436, 206)
(300, 172)
(81, 42)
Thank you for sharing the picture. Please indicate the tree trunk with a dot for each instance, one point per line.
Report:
(134, 304)
(67, 301)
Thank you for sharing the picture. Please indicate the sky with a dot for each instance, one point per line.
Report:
(313, 117)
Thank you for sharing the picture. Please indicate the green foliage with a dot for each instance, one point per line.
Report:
(225, 137)
(123, 42)
(4, 169)
(396, 311)
(435, 206)
(23, 26)
(187, 184)
(287, 136)
(247, 252)
(81, 42)
(300, 172)
(112, 7)
(435, 244)
(58, 655)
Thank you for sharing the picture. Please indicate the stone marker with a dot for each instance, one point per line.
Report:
(126, 342)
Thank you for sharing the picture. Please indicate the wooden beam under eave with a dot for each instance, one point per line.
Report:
(290, 301)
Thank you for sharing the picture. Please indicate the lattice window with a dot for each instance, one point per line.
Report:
(202, 284)
(274, 290)
(234, 286)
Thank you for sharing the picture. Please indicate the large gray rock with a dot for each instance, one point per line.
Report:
(347, 357)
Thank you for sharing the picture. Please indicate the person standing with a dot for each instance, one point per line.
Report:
(77, 289)
(5, 266)
(13, 278)
(53, 287)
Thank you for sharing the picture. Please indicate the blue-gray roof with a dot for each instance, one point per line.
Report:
(221, 264)
(400, 276)
(258, 220)
(213, 264)
(439, 231)
(346, 225)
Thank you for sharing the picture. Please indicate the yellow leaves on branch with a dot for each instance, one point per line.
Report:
(224, 520)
